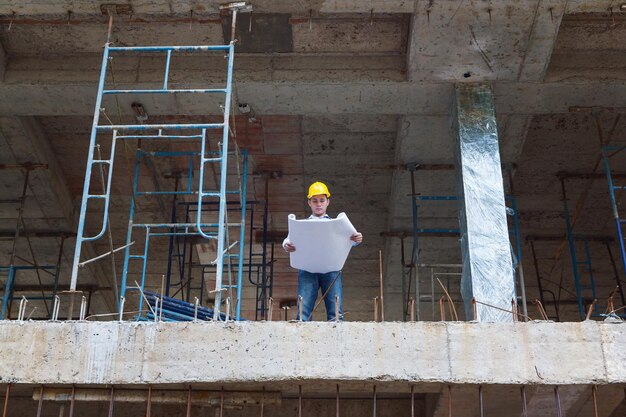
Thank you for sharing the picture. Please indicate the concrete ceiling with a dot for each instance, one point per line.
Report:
(343, 91)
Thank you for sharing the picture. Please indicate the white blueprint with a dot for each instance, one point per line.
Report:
(321, 245)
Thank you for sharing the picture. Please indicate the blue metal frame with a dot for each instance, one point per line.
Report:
(590, 284)
(440, 231)
(619, 222)
(10, 283)
(175, 229)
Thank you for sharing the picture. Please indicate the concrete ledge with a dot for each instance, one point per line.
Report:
(422, 352)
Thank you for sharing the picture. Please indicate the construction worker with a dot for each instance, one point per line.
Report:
(310, 283)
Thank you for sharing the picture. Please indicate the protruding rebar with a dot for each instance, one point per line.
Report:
(300, 307)
(111, 252)
(376, 308)
(442, 309)
(382, 302)
(374, 405)
(514, 309)
(111, 399)
(594, 395)
(542, 311)
(557, 401)
(122, 301)
(270, 308)
(22, 310)
(412, 305)
(336, 308)
(149, 404)
(55, 308)
(299, 400)
(590, 311)
(156, 308)
(195, 309)
(40, 403)
(227, 316)
(474, 309)
(73, 401)
(262, 402)
(83, 308)
(6, 400)
(480, 401)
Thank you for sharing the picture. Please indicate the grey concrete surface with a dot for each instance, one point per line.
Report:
(540, 353)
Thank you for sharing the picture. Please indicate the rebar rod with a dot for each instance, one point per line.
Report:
(40, 402)
(6, 400)
(299, 400)
(149, 402)
(111, 401)
(73, 401)
(382, 302)
(374, 405)
(557, 401)
(524, 407)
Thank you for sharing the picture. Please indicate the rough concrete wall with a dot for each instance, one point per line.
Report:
(419, 352)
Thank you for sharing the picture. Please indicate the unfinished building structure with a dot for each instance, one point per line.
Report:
(150, 153)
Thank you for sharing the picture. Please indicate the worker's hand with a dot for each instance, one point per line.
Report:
(357, 237)
(289, 247)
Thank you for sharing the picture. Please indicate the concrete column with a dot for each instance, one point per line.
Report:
(486, 254)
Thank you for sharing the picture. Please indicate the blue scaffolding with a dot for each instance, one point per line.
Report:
(582, 265)
(197, 133)
(44, 293)
(607, 153)
(411, 269)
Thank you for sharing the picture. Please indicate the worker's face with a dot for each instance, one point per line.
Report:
(318, 204)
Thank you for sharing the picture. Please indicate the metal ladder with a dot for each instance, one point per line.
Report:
(607, 153)
(582, 267)
(162, 132)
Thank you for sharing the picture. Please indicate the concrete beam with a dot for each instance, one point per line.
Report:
(419, 352)
(78, 7)
(403, 98)
(541, 39)
(302, 7)
(473, 42)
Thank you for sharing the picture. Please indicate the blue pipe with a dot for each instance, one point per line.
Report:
(8, 290)
(108, 128)
(174, 91)
(572, 249)
(614, 210)
(242, 231)
(129, 231)
(169, 48)
(92, 145)
(167, 68)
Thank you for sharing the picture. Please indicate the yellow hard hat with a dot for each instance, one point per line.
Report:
(318, 188)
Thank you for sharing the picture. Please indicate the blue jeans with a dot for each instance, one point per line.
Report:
(309, 285)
